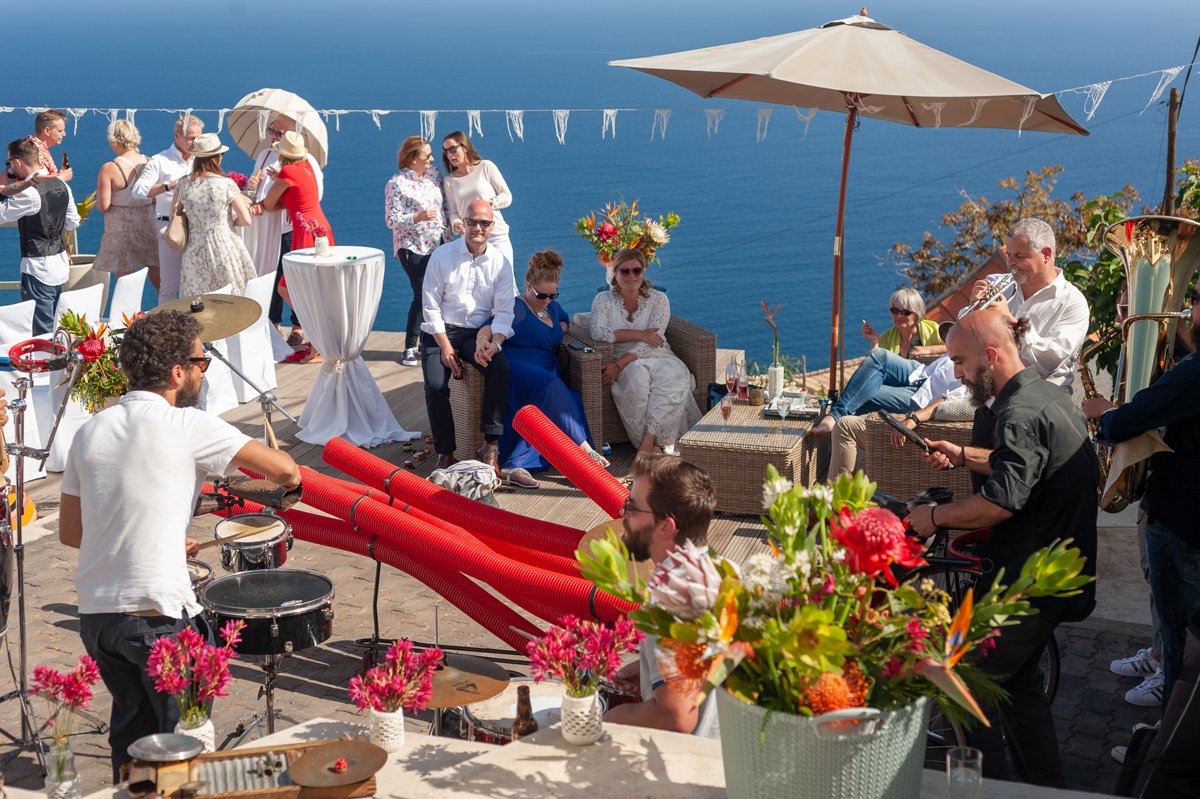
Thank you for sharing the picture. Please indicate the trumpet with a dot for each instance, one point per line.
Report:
(998, 288)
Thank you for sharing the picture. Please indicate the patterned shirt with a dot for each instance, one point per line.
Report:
(406, 194)
(45, 160)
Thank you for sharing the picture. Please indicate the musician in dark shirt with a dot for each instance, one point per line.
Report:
(1172, 534)
(1041, 474)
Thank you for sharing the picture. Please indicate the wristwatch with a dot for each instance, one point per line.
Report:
(916, 422)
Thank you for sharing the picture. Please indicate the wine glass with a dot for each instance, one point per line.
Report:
(731, 376)
(726, 410)
(784, 406)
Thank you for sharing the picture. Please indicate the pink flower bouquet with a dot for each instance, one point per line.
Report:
(583, 654)
(193, 671)
(404, 680)
(66, 692)
(238, 179)
(313, 227)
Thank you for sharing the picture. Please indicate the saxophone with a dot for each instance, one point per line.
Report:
(1104, 454)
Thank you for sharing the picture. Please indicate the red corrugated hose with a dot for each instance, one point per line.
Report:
(569, 458)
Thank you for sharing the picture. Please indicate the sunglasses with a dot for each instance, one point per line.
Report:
(551, 296)
(479, 223)
(202, 361)
(276, 132)
(452, 148)
(630, 270)
(901, 311)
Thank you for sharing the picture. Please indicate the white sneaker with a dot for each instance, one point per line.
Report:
(1118, 753)
(1141, 664)
(410, 359)
(1149, 692)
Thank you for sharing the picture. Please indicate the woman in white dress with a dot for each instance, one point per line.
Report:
(214, 255)
(651, 387)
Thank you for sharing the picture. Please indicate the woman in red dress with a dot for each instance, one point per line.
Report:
(295, 189)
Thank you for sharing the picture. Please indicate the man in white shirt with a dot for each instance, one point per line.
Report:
(42, 211)
(157, 182)
(132, 584)
(467, 284)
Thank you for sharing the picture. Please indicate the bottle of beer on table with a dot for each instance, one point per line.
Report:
(525, 724)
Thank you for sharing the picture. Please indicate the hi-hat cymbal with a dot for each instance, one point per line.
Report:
(220, 315)
(465, 679)
(316, 767)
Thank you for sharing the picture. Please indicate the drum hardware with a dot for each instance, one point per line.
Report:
(270, 668)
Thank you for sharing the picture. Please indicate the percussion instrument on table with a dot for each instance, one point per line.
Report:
(200, 573)
(264, 548)
(285, 610)
(490, 721)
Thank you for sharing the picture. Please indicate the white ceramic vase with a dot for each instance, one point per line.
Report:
(581, 721)
(204, 732)
(387, 730)
(321, 246)
(774, 381)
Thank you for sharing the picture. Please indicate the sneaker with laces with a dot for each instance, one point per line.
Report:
(1149, 692)
(1118, 753)
(1142, 664)
(410, 357)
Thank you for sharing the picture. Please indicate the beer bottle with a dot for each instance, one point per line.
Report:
(525, 724)
(66, 163)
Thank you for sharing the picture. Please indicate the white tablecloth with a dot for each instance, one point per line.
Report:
(337, 297)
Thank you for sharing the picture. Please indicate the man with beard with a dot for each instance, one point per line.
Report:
(133, 476)
(670, 501)
(1040, 485)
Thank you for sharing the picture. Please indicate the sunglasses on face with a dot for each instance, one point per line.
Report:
(629, 506)
(630, 270)
(452, 148)
(551, 296)
(201, 361)
(276, 132)
(479, 223)
(901, 312)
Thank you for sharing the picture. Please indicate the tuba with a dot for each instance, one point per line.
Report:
(1160, 255)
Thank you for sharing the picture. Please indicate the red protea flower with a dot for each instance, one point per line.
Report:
(606, 231)
(91, 348)
(874, 540)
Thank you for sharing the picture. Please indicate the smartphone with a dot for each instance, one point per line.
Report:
(575, 345)
(909, 434)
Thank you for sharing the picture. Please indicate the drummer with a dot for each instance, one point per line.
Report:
(132, 478)
(670, 501)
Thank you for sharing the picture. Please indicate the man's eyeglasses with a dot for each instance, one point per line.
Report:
(541, 296)
(901, 311)
(479, 223)
(628, 506)
(201, 361)
(452, 148)
(630, 270)
(276, 132)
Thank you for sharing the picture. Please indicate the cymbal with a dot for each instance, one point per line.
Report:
(464, 679)
(220, 315)
(642, 568)
(315, 768)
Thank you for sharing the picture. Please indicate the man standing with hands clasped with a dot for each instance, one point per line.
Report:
(1040, 473)
(467, 283)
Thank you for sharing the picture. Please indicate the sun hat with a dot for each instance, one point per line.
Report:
(291, 145)
(207, 145)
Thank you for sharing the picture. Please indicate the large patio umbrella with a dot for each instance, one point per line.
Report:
(862, 68)
(248, 126)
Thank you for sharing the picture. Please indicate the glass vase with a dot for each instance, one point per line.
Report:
(62, 780)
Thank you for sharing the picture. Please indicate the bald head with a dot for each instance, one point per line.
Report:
(984, 351)
(986, 328)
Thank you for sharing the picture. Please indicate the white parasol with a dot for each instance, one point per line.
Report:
(249, 119)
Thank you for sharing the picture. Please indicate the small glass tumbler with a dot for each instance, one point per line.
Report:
(964, 772)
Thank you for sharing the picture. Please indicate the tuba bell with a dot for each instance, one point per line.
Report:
(1160, 255)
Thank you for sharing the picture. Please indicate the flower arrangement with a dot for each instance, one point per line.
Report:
(403, 680)
(821, 623)
(193, 671)
(101, 378)
(65, 692)
(770, 317)
(312, 227)
(238, 179)
(583, 654)
(619, 227)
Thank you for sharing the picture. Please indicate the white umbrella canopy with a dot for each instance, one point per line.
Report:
(248, 122)
(859, 67)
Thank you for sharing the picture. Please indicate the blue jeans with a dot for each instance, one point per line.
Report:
(45, 299)
(1175, 590)
(879, 384)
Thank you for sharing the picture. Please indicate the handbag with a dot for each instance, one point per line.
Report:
(175, 234)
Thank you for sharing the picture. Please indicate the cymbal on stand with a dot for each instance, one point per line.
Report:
(220, 315)
(464, 679)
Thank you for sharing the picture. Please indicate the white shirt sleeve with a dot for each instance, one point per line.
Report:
(503, 297)
(1059, 338)
(73, 218)
(23, 203)
(503, 197)
(216, 441)
(431, 296)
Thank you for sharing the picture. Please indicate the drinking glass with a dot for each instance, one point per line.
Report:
(784, 406)
(726, 410)
(964, 772)
(731, 376)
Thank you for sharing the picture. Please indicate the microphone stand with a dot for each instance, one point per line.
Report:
(265, 398)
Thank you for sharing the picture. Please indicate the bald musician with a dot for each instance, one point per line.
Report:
(1040, 474)
(133, 475)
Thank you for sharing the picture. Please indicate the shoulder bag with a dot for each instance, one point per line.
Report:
(175, 234)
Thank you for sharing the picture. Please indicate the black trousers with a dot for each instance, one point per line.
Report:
(437, 388)
(1026, 723)
(414, 266)
(275, 312)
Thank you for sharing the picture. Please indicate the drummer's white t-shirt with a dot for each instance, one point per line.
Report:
(137, 469)
(707, 725)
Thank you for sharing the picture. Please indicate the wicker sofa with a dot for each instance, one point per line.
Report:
(694, 345)
(902, 473)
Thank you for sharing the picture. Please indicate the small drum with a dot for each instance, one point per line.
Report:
(200, 573)
(263, 550)
(285, 610)
(491, 720)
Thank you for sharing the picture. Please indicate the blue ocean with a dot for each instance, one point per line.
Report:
(758, 216)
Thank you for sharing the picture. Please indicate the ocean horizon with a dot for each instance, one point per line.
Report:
(757, 211)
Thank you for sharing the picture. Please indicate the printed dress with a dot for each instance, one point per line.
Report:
(214, 255)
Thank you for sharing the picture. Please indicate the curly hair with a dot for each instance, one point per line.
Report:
(155, 344)
(632, 255)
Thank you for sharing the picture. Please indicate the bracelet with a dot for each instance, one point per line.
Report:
(962, 457)
(933, 515)
(916, 422)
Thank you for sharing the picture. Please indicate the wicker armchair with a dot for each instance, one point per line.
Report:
(694, 345)
(902, 473)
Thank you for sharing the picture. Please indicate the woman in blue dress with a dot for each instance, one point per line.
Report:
(534, 375)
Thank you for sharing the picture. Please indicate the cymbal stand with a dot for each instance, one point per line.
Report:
(265, 398)
(270, 666)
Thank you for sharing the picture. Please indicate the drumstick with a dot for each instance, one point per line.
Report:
(244, 533)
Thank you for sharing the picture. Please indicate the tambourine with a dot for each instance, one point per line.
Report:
(21, 356)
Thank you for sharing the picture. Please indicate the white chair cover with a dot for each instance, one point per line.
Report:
(337, 297)
(127, 297)
(16, 325)
(279, 347)
(87, 301)
(250, 350)
(216, 392)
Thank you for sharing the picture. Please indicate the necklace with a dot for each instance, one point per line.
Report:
(543, 314)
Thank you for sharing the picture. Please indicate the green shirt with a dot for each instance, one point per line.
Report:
(927, 336)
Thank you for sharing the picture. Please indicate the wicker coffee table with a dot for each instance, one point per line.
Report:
(736, 453)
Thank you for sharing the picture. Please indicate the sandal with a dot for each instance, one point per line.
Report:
(520, 478)
(596, 456)
(295, 338)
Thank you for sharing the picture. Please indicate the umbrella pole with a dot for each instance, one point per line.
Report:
(836, 376)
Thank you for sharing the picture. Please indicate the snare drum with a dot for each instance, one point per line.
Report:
(285, 610)
(263, 550)
(200, 573)
(491, 720)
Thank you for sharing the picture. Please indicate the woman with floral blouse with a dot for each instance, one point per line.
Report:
(414, 209)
